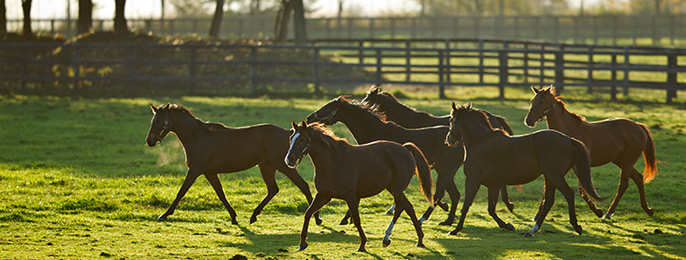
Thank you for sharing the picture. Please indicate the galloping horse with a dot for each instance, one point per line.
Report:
(495, 159)
(366, 126)
(350, 172)
(409, 117)
(620, 141)
(212, 148)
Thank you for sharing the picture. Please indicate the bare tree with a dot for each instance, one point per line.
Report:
(281, 22)
(119, 19)
(217, 19)
(85, 20)
(3, 18)
(299, 22)
(26, 7)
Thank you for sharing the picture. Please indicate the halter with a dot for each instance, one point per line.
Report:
(303, 152)
(326, 118)
(164, 128)
(545, 112)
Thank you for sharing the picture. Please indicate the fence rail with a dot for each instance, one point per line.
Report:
(604, 29)
(450, 62)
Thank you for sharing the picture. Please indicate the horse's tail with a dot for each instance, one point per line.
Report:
(582, 168)
(423, 172)
(650, 169)
(504, 125)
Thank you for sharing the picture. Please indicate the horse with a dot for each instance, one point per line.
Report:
(619, 141)
(409, 117)
(495, 159)
(350, 172)
(366, 126)
(212, 148)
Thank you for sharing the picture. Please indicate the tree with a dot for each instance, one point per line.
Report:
(217, 19)
(85, 20)
(299, 22)
(3, 18)
(26, 7)
(119, 19)
(281, 22)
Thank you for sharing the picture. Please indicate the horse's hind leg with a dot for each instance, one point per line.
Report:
(191, 176)
(492, 201)
(568, 193)
(471, 188)
(442, 182)
(638, 179)
(623, 185)
(317, 203)
(544, 208)
(454, 199)
(591, 204)
(302, 186)
(506, 199)
(268, 171)
(397, 200)
(217, 185)
(353, 205)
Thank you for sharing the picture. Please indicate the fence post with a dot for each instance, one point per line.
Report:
(626, 71)
(503, 72)
(559, 68)
(253, 70)
(317, 83)
(360, 51)
(191, 69)
(447, 61)
(481, 61)
(542, 65)
(591, 63)
(526, 62)
(441, 84)
(671, 76)
(371, 28)
(379, 75)
(613, 89)
(408, 60)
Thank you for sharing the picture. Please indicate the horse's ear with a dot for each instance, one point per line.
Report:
(454, 107)
(167, 106)
(376, 89)
(469, 105)
(294, 125)
(303, 124)
(551, 89)
(534, 89)
(153, 108)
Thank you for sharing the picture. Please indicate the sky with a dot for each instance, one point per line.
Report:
(151, 8)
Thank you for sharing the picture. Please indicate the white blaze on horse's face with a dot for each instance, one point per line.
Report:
(289, 162)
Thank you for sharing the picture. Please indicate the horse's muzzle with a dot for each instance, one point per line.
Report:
(530, 121)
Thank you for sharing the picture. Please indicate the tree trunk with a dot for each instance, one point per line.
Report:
(26, 7)
(3, 18)
(85, 21)
(299, 22)
(217, 19)
(119, 19)
(281, 23)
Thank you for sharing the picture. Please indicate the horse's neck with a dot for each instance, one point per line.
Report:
(324, 158)
(398, 112)
(476, 133)
(364, 127)
(187, 128)
(562, 120)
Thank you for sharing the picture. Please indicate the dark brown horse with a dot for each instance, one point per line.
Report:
(212, 148)
(409, 117)
(366, 126)
(495, 159)
(619, 141)
(350, 172)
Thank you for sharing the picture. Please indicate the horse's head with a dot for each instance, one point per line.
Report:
(159, 125)
(372, 96)
(455, 133)
(327, 114)
(541, 105)
(300, 144)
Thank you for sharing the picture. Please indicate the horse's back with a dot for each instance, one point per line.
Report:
(377, 164)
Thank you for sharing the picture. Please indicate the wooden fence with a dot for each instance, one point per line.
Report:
(596, 29)
(429, 62)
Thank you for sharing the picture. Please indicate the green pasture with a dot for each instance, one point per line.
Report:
(78, 181)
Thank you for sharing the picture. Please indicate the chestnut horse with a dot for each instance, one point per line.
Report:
(350, 172)
(620, 141)
(495, 159)
(366, 126)
(212, 148)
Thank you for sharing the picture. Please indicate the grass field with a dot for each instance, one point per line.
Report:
(77, 181)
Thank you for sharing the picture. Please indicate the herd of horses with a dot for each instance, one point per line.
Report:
(396, 142)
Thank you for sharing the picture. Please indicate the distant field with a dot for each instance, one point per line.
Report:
(77, 181)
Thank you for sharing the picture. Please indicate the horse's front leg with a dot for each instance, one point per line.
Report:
(492, 202)
(317, 203)
(353, 205)
(191, 176)
(217, 185)
(471, 188)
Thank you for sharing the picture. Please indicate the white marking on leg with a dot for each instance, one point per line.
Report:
(389, 230)
(534, 229)
(390, 211)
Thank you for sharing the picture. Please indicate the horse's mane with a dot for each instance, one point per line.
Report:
(208, 125)
(394, 99)
(369, 111)
(575, 115)
(480, 122)
(326, 135)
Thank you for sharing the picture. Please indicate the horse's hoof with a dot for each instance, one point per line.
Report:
(362, 250)
(343, 222)
(454, 232)
(386, 242)
(608, 216)
(318, 221)
(447, 222)
(650, 212)
(509, 227)
(252, 220)
(528, 234)
(578, 229)
(598, 212)
(510, 207)
(443, 205)
(302, 247)
(233, 221)
(389, 212)
(162, 218)
(420, 244)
